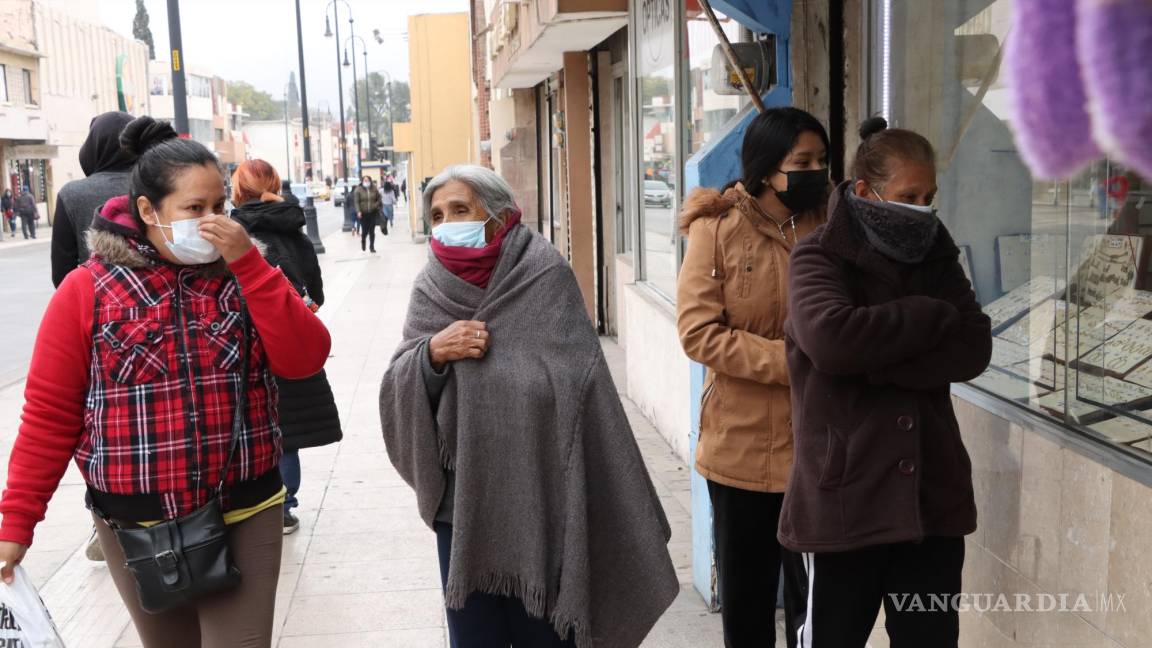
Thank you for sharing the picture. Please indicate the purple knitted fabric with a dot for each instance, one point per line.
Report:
(1114, 44)
(1051, 122)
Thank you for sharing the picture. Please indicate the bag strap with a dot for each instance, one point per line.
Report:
(241, 397)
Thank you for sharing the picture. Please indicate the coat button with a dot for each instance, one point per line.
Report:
(907, 467)
(906, 423)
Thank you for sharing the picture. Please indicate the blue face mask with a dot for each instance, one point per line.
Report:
(462, 234)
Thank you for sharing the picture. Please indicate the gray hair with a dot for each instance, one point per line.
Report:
(493, 192)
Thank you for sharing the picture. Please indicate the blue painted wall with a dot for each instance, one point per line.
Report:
(714, 165)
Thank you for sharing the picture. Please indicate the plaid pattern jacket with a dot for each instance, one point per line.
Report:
(164, 383)
(135, 377)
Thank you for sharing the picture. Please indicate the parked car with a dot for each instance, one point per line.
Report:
(320, 191)
(657, 192)
(338, 190)
(300, 190)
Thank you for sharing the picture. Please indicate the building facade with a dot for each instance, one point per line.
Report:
(442, 131)
(213, 120)
(58, 70)
(604, 115)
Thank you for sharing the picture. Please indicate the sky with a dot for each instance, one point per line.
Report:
(255, 40)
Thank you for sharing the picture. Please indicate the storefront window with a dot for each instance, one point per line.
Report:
(1062, 268)
(708, 112)
(656, 59)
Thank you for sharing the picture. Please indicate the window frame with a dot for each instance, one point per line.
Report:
(26, 78)
(4, 96)
(1065, 430)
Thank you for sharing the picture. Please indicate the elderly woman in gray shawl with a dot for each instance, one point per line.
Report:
(499, 411)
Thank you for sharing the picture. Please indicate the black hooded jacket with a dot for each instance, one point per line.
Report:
(107, 168)
(307, 414)
(278, 225)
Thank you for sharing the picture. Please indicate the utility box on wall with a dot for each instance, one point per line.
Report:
(758, 60)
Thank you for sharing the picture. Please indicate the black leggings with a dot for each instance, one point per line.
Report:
(748, 562)
(368, 231)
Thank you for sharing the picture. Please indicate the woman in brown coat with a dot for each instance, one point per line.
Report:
(883, 320)
(731, 299)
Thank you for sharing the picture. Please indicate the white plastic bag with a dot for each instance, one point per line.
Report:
(24, 621)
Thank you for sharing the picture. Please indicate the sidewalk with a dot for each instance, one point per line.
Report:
(362, 570)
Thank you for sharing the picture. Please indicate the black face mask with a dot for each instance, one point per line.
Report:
(806, 189)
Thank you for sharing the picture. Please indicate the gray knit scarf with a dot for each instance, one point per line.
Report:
(553, 503)
(899, 233)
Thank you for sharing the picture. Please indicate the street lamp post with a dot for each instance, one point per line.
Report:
(311, 226)
(287, 138)
(355, 98)
(367, 92)
(349, 217)
(367, 99)
(179, 89)
(323, 129)
(388, 102)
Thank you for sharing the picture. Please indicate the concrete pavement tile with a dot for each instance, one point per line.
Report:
(342, 521)
(42, 565)
(345, 497)
(423, 638)
(686, 624)
(129, 638)
(375, 466)
(295, 548)
(366, 577)
(343, 613)
(372, 547)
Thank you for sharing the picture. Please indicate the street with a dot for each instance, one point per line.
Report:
(26, 287)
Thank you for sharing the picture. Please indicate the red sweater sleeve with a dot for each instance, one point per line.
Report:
(53, 407)
(296, 341)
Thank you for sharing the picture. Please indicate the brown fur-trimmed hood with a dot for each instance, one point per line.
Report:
(705, 202)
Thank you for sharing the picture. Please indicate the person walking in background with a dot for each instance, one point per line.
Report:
(106, 167)
(549, 529)
(882, 320)
(367, 198)
(25, 207)
(732, 304)
(404, 190)
(112, 386)
(387, 204)
(6, 212)
(307, 409)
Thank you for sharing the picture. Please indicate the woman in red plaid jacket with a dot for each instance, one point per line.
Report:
(136, 375)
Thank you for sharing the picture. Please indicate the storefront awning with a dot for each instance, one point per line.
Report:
(527, 52)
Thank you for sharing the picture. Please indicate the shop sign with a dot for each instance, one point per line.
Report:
(656, 33)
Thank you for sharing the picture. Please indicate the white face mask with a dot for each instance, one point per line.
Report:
(927, 210)
(187, 245)
(470, 234)
(366, 184)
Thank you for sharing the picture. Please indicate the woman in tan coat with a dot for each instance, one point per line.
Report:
(732, 302)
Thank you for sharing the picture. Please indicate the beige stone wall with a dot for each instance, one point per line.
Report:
(1053, 521)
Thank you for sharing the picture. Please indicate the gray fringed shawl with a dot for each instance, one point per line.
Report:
(553, 503)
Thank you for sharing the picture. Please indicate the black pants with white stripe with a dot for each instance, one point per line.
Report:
(911, 580)
(748, 562)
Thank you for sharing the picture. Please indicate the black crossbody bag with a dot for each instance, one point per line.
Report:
(180, 561)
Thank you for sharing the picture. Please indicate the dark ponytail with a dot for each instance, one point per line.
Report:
(160, 154)
(881, 146)
(769, 139)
